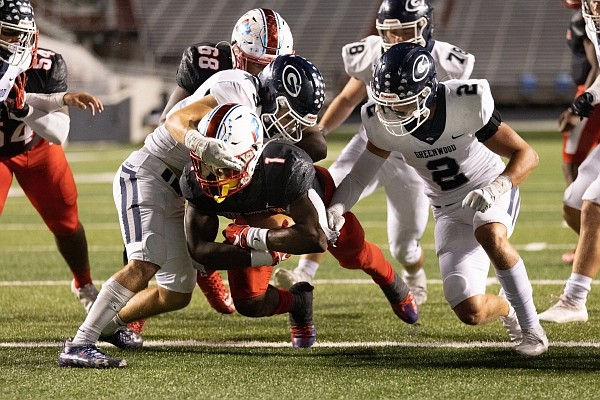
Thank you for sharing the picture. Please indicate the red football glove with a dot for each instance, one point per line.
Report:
(279, 256)
(236, 235)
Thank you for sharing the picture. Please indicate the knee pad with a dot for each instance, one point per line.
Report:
(456, 289)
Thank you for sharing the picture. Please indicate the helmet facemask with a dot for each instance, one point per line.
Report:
(403, 116)
(414, 29)
(591, 13)
(18, 33)
(285, 123)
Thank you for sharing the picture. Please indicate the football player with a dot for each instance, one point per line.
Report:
(253, 249)
(453, 136)
(407, 210)
(151, 209)
(258, 37)
(35, 123)
(581, 202)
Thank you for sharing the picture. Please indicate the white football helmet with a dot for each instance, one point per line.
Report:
(591, 13)
(260, 36)
(241, 131)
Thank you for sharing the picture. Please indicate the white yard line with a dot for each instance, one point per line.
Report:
(259, 344)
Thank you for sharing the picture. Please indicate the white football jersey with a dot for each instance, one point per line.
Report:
(229, 86)
(451, 62)
(447, 156)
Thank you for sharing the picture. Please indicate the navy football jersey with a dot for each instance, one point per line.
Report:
(201, 61)
(47, 75)
(283, 173)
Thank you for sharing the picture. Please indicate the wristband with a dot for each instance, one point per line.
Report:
(260, 258)
(257, 238)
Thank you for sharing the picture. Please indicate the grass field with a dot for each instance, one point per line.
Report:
(363, 351)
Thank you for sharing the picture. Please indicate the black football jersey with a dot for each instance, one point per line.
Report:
(47, 75)
(580, 67)
(201, 61)
(283, 173)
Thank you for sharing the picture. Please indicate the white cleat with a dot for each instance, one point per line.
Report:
(285, 279)
(86, 295)
(417, 284)
(564, 311)
(534, 342)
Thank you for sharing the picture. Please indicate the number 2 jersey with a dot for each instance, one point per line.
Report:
(447, 151)
(283, 173)
(47, 75)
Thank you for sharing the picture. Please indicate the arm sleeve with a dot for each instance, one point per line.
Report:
(53, 126)
(362, 173)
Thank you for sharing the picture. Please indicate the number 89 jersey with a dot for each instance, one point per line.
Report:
(201, 61)
(447, 151)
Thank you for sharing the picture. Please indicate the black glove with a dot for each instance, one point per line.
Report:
(582, 105)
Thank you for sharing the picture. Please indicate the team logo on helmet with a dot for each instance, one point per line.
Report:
(413, 5)
(292, 80)
(421, 68)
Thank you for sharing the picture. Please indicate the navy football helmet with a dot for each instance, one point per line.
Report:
(18, 33)
(396, 15)
(404, 87)
(291, 92)
(591, 13)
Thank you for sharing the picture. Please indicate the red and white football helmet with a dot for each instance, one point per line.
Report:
(241, 131)
(260, 36)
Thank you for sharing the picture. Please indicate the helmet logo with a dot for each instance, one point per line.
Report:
(421, 68)
(413, 5)
(292, 80)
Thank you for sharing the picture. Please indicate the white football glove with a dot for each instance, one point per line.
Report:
(212, 151)
(482, 199)
(335, 218)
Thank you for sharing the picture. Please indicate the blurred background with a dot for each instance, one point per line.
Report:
(127, 51)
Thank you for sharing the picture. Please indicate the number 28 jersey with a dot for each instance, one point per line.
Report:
(200, 61)
(447, 152)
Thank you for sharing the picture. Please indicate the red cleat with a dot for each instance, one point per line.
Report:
(218, 296)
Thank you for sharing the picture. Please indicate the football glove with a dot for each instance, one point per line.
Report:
(482, 199)
(582, 105)
(335, 218)
(212, 151)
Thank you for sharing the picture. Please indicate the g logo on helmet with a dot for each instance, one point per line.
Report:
(291, 80)
(413, 5)
(421, 68)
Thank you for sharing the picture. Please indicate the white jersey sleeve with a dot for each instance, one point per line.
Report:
(448, 156)
(359, 57)
(451, 62)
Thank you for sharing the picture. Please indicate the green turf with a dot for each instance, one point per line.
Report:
(343, 313)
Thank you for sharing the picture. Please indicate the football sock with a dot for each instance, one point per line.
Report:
(577, 288)
(308, 267)
(519, 293)
(82, 278)
(112, 297)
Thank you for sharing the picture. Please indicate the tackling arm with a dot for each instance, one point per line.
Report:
(342, 106)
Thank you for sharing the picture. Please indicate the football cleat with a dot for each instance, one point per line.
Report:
(417, 284)
(86, 356)
(534, 342)
(124, 338)
(404, 305)
(302, 327)
(565, 311)
(86, 295)
(218, 296)
(285, 279)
